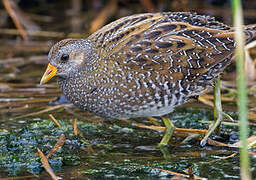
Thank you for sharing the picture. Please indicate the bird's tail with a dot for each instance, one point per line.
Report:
(250, 31)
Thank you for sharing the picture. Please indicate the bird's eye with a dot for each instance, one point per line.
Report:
(64, 57)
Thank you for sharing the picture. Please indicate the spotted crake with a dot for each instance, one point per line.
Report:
(144, 64)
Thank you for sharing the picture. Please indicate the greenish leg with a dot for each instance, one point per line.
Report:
(169, 129)
(218, 114)
(153, 121)
(165, 151)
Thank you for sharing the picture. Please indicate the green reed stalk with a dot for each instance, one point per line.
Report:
(242, 90)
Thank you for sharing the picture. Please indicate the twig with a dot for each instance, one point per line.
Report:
(54, 120)
(58, 145)
(196, 131)
(174, 173)
(75, 129)
(42, 111)
(46, 164)
(78, 132)
(8, 7)
(49, 34)
(216, 143)
(222, 158)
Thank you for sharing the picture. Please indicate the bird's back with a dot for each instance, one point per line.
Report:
(155, 62)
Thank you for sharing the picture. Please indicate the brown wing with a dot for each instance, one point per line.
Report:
(112, 37)
(119, 32)
(160, 47)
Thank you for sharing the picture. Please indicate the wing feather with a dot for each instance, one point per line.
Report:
(183, 46)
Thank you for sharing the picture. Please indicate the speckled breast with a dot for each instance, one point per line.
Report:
(132, 99)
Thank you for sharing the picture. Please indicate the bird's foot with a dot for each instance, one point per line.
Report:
(218, 114)
(165, 151)
(169, 129)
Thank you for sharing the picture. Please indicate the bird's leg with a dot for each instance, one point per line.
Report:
(169, 129)
(165, 151)
(218, 114)
(153, 121)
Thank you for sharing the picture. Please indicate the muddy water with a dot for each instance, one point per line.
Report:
(121, 150)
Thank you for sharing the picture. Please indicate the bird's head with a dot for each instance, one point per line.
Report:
(66, 58)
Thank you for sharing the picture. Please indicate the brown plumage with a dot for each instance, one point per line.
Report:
(143, 65)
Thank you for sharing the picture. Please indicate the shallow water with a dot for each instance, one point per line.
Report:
(122, 150)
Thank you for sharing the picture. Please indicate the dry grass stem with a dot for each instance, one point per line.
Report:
(75, 128)
(54, 120)
(46, 164)
(8, 4)
(78, 132)
(41, 112)
(175, 173)
(184, 130)
(58, 145)
(49, 34)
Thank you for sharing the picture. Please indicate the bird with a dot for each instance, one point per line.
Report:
(144, 64)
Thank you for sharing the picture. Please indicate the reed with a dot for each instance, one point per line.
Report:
(242, 89)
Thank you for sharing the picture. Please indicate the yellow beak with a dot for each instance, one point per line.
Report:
(49, 73)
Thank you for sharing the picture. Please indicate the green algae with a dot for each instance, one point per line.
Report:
(122, 151)
(18, 150)
(148, 169)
